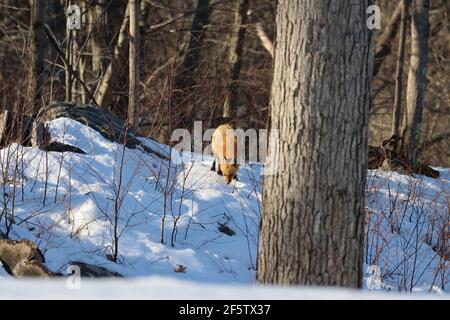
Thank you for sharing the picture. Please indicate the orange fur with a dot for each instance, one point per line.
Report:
(224, 149)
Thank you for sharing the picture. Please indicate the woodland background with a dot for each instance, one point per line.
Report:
(198, 64)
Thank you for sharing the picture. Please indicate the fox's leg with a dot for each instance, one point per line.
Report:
(213, 167)
(236, 177)
(219, 172)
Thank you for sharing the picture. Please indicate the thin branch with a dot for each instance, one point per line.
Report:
(55, 44)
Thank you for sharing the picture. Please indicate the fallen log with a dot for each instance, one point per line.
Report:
(396, 161)
(102, 121)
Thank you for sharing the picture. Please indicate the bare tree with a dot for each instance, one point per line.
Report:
(415, 91)
(396, 117)
(384, 46)
(67, 65)
(133, 99)
(184, 78)
(70, 72)
(96, 42)
(313, 206)
(103, 93)
(37, 54)
(261, 33)
(235, 57)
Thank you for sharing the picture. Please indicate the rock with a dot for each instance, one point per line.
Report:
(31, 269)
(23, 258)
(104, 122)
(23, 129)
(93, 271)
(225, 229)
(426, 170)
(180, 269)
(61, 147)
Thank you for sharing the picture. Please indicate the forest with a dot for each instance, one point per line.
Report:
(328, 124)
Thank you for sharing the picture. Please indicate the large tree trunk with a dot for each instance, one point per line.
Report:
(133, 98)
(37, 54)
(415, 91)
(312, 225)
(235, 57)
(396, 117)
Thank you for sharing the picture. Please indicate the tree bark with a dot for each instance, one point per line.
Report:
(415, 91)
(103, 92)
(396, 115)
(133, 98)
(74, 55)
(68, 67)
(37, 54)
(96, 42)
(235, 57)
(313, 205)
(82, 73)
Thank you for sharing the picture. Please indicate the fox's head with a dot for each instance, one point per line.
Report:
(229, 171)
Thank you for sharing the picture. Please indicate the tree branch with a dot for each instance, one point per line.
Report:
(55, 44)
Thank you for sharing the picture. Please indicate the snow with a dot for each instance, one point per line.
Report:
(3, 273)
(161, 288)
(78, 225)
(409, 215)
(65, 203)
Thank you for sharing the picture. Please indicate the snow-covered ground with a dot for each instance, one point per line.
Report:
(162, 288)
(66, 203)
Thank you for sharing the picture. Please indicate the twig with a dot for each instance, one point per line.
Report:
(55, 44)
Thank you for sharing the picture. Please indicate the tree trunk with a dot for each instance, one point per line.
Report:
(37, 54)
(312, 225)
(82, 73)
(75, 67)
(415, 91)
(261, 33)
(184, 79)
(383, 49)
(133, 98)
(67, 66)
(235, 57)
(96, 42)
(396, 117)
(103, 93)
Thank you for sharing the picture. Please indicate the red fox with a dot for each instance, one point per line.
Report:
(224, 149)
